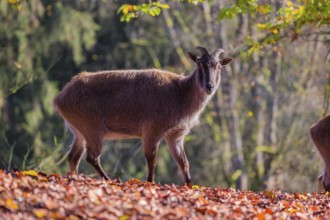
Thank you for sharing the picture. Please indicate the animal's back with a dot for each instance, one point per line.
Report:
(111, 97)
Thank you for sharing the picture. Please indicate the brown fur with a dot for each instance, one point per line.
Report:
(149, 104)
(320, 134)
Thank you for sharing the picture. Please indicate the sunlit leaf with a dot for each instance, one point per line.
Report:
(88, 198)
(261, 216)
(264, 9)
(30, 173)
(236, 174)
(134, 181)
(274, 30)
(195, 187)
(11, 204)
(250, 114)
(285, 204)
(40, 213)
(18, 65)
(262, 26)
(123, 217)
(202, 200)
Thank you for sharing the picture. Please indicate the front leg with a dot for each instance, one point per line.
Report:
(150, 147)
(175, 145)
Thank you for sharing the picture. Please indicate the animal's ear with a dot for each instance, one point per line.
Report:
(225, 61)
(193, 56)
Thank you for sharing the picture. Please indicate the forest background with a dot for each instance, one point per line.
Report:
(253, 134)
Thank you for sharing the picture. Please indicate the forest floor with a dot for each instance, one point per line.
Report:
(32, 195)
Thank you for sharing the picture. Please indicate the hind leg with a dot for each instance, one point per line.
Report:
(94, 148)
(76, 151)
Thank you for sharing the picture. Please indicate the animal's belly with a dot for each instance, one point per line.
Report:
(115, 136)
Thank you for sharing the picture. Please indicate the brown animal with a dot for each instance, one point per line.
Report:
(150, 104)
(320, 134)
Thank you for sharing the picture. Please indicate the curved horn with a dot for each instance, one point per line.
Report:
(202, 50)
(218, 52)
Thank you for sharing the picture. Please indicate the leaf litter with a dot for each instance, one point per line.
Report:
(35, 195)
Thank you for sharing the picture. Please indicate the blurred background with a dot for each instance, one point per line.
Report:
(253, 134)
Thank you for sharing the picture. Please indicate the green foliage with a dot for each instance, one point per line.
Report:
(288, 22)
(129, 11)
(32, 40)
(83, 33)
(16, 4)
(242, 7)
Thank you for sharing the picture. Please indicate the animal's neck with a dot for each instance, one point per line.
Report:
(195, 97)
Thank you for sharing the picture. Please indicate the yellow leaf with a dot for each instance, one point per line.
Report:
(123, 217)
(30, 173)
(11, 204)
(274, 30)
(40, 213)
(195, 187)
(127, 8)
(42, 179)
(289, 3)
(303, 197)
(262, 9)
(292, 210)
(13, 1)
(18, 65)
(261, 26)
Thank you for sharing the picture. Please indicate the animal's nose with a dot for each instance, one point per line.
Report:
(209, 86)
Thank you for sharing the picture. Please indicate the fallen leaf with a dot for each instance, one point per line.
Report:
(11, 204)
(40, 213)
(195, 187)
(269, 194)
(81, 197)
(73, 217)
(30, 173)
(261, 216)
(123, 217)
(285, 204)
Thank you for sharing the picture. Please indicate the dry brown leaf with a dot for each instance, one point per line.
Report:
(81, 197)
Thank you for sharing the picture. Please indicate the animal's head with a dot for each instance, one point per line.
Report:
(209, 68)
